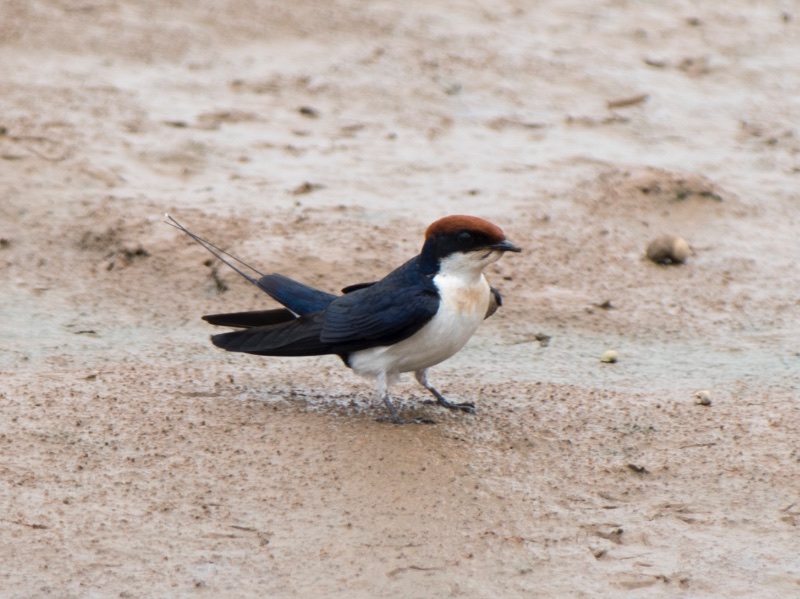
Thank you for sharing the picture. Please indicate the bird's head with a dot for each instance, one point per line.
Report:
(464, 243)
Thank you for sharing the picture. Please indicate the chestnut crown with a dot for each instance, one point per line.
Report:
(459, 233)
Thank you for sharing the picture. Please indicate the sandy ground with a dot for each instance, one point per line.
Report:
(318, 140)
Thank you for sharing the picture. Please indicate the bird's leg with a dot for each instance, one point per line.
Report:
(383, 390)
(422, 377)
(387, 400)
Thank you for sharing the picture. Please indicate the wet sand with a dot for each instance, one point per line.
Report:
(319, 141)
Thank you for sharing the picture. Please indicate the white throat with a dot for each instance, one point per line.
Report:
(467, 266)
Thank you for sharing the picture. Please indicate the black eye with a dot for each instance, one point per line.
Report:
(465, 237)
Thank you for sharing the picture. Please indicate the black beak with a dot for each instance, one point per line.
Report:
(505, 246)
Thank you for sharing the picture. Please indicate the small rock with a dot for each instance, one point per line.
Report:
(669, 249)
(610, 532)
(627, 101)
(703, 397)
(609, 356)
(309, 111)
(606, 305)
(306, 187)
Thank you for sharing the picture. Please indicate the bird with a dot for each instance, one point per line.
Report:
(417, 316)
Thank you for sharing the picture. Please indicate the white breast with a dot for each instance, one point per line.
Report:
(464, 301)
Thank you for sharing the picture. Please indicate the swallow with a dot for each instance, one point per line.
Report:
(417, 316)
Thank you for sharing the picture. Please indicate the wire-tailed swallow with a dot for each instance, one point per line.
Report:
(417, 316)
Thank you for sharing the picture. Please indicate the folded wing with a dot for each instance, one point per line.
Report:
(379, 314)
(298, 337)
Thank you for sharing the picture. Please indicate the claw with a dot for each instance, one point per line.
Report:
(467, 407)
(406, 421)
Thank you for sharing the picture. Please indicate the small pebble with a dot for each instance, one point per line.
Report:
(308, 111)
(703, 397)
(669, 249)
(610, 356)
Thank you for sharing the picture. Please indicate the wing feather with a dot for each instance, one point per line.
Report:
(383, 313)
(299, 298)
(300, 337)
(377, 314)
(246, 320)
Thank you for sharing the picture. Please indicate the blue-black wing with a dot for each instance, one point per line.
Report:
(316, 322)
(298, 337)
(384, 313)
(357, 286)
(299, 298)
(381, 314)
(248, 320)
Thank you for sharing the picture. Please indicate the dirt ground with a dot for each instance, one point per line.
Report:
(318, 139)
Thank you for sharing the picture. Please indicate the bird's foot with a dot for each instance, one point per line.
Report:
(394, 417)
(467, 407)
(422, 377)
(397, 420)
